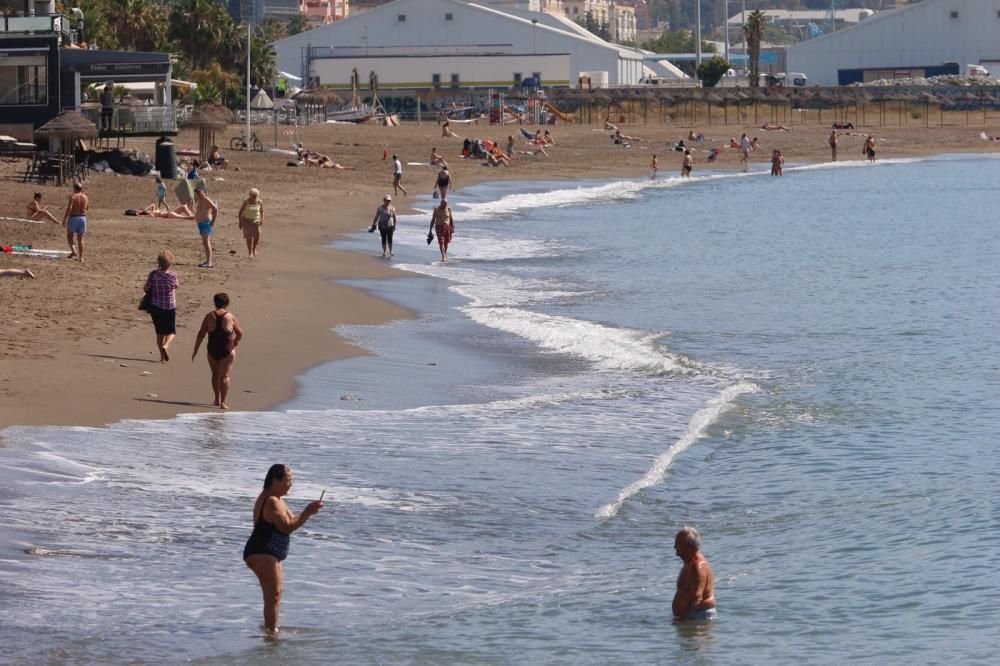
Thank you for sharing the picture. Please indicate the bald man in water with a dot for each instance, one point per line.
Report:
(695, 597)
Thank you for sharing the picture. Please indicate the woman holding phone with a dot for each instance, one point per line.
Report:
(268, 545)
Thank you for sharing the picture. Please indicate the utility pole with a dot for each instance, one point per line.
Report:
(697, 37)
(743, 22)
(726, 12)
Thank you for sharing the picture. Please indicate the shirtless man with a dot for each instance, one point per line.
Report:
(869, 148)
(443, 225)
(695, 597)
(833, 145)
(205, 213)
(75, 220)
(688, 164)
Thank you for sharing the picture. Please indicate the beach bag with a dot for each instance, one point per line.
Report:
(147, 301)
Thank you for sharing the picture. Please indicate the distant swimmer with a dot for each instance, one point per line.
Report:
(688, 164)
(695, 597)
(273, 524)
(442, 224)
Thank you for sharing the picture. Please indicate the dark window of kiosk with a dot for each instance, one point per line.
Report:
(23, 80)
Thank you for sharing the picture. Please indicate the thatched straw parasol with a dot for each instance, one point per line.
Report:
(209, 120)
(68, 125)
(61, 132)
(319, 97)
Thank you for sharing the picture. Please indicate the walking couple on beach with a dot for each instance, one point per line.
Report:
(442, 224)
(220, 326)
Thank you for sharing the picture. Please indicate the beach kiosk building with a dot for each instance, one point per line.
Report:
(43, 71)
(416, 45)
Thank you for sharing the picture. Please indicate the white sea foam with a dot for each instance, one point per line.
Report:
(608, 347)
(569, 196)
(483, 288)
(699, 422)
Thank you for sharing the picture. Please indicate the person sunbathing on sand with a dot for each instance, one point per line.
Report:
(446, 130)
(496, 157)
(36, 211)
(437, 159)
(622, 138)
(16, 272)
(771, 127)
(610, 127)
(182, 212)
(695, 136)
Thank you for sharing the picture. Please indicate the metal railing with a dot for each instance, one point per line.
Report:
(136, 120)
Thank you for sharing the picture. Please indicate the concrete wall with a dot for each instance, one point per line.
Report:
(471, 29)
(916, 35)
(417, 72)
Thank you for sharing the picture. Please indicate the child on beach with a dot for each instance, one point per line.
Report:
(655, 166)
(161, 196)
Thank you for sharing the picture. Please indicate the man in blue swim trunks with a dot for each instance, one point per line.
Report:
(204, 214)
(75, 220)
(695, 597)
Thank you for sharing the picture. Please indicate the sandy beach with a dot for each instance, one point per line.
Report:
(76, 351)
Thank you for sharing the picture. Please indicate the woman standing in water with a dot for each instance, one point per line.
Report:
(224, 335)
(273, 524)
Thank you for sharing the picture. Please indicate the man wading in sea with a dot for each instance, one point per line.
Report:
(695, 597)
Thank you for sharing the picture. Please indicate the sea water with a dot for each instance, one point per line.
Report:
(804, 368)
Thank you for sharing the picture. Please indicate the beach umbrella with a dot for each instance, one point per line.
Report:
(209, 120)
(62, 132)
(969, 100)
(711, 98)
(928, 99)
(665, 99)
(318, 97)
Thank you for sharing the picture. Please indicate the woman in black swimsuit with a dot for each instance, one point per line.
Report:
(444, 181)
(224, 334)
(268, 544)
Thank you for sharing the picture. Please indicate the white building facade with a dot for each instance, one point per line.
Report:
(927, 34)
(407, 42)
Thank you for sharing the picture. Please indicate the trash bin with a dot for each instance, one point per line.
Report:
(166, 158)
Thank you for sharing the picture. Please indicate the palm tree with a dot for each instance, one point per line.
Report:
(753, 34)
(199, 28)
(137, 25)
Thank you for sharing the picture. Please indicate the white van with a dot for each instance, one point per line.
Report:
(796, 79)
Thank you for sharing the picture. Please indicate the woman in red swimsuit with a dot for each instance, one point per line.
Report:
(224, 335)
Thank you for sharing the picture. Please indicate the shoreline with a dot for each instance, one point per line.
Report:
(290, 299)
